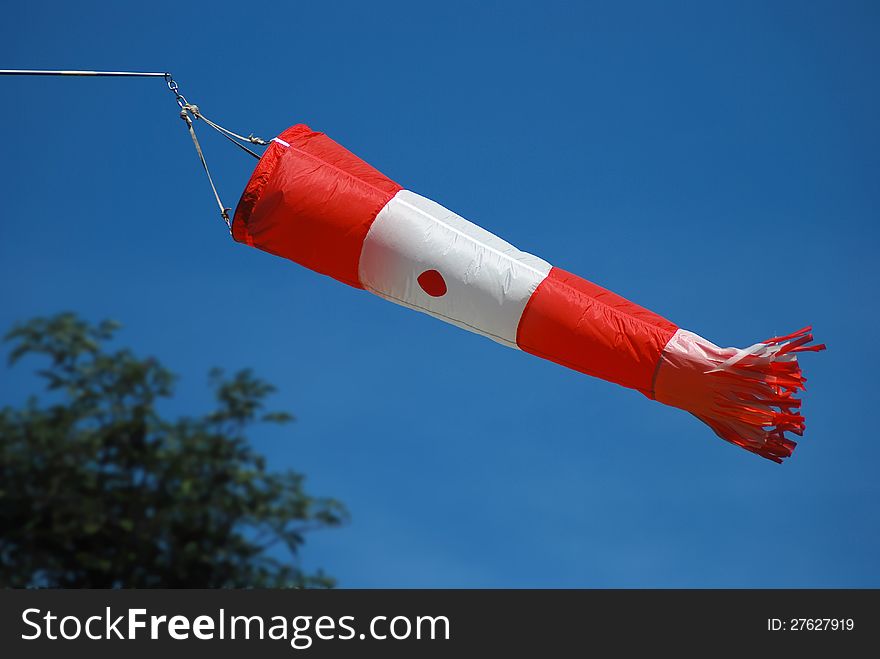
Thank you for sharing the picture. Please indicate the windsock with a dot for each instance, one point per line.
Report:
(313, 202)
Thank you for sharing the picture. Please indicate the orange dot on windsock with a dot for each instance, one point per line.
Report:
(432, 283)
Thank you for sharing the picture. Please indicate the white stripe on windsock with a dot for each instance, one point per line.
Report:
(487, 280)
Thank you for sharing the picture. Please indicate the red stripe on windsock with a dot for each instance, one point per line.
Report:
(312, 202)
(578, 324)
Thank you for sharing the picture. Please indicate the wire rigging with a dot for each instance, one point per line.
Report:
(188, 112)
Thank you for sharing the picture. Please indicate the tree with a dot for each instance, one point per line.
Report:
(97, 489)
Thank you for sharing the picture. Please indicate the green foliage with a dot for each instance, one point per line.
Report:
(99, 490)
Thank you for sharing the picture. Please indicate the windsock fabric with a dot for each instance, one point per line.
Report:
(315, 203)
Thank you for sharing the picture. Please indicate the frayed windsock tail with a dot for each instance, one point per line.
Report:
(747, 396)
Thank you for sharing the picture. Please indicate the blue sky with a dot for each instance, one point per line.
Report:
(716, 162)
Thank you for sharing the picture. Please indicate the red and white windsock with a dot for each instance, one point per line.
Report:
(315, 203)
